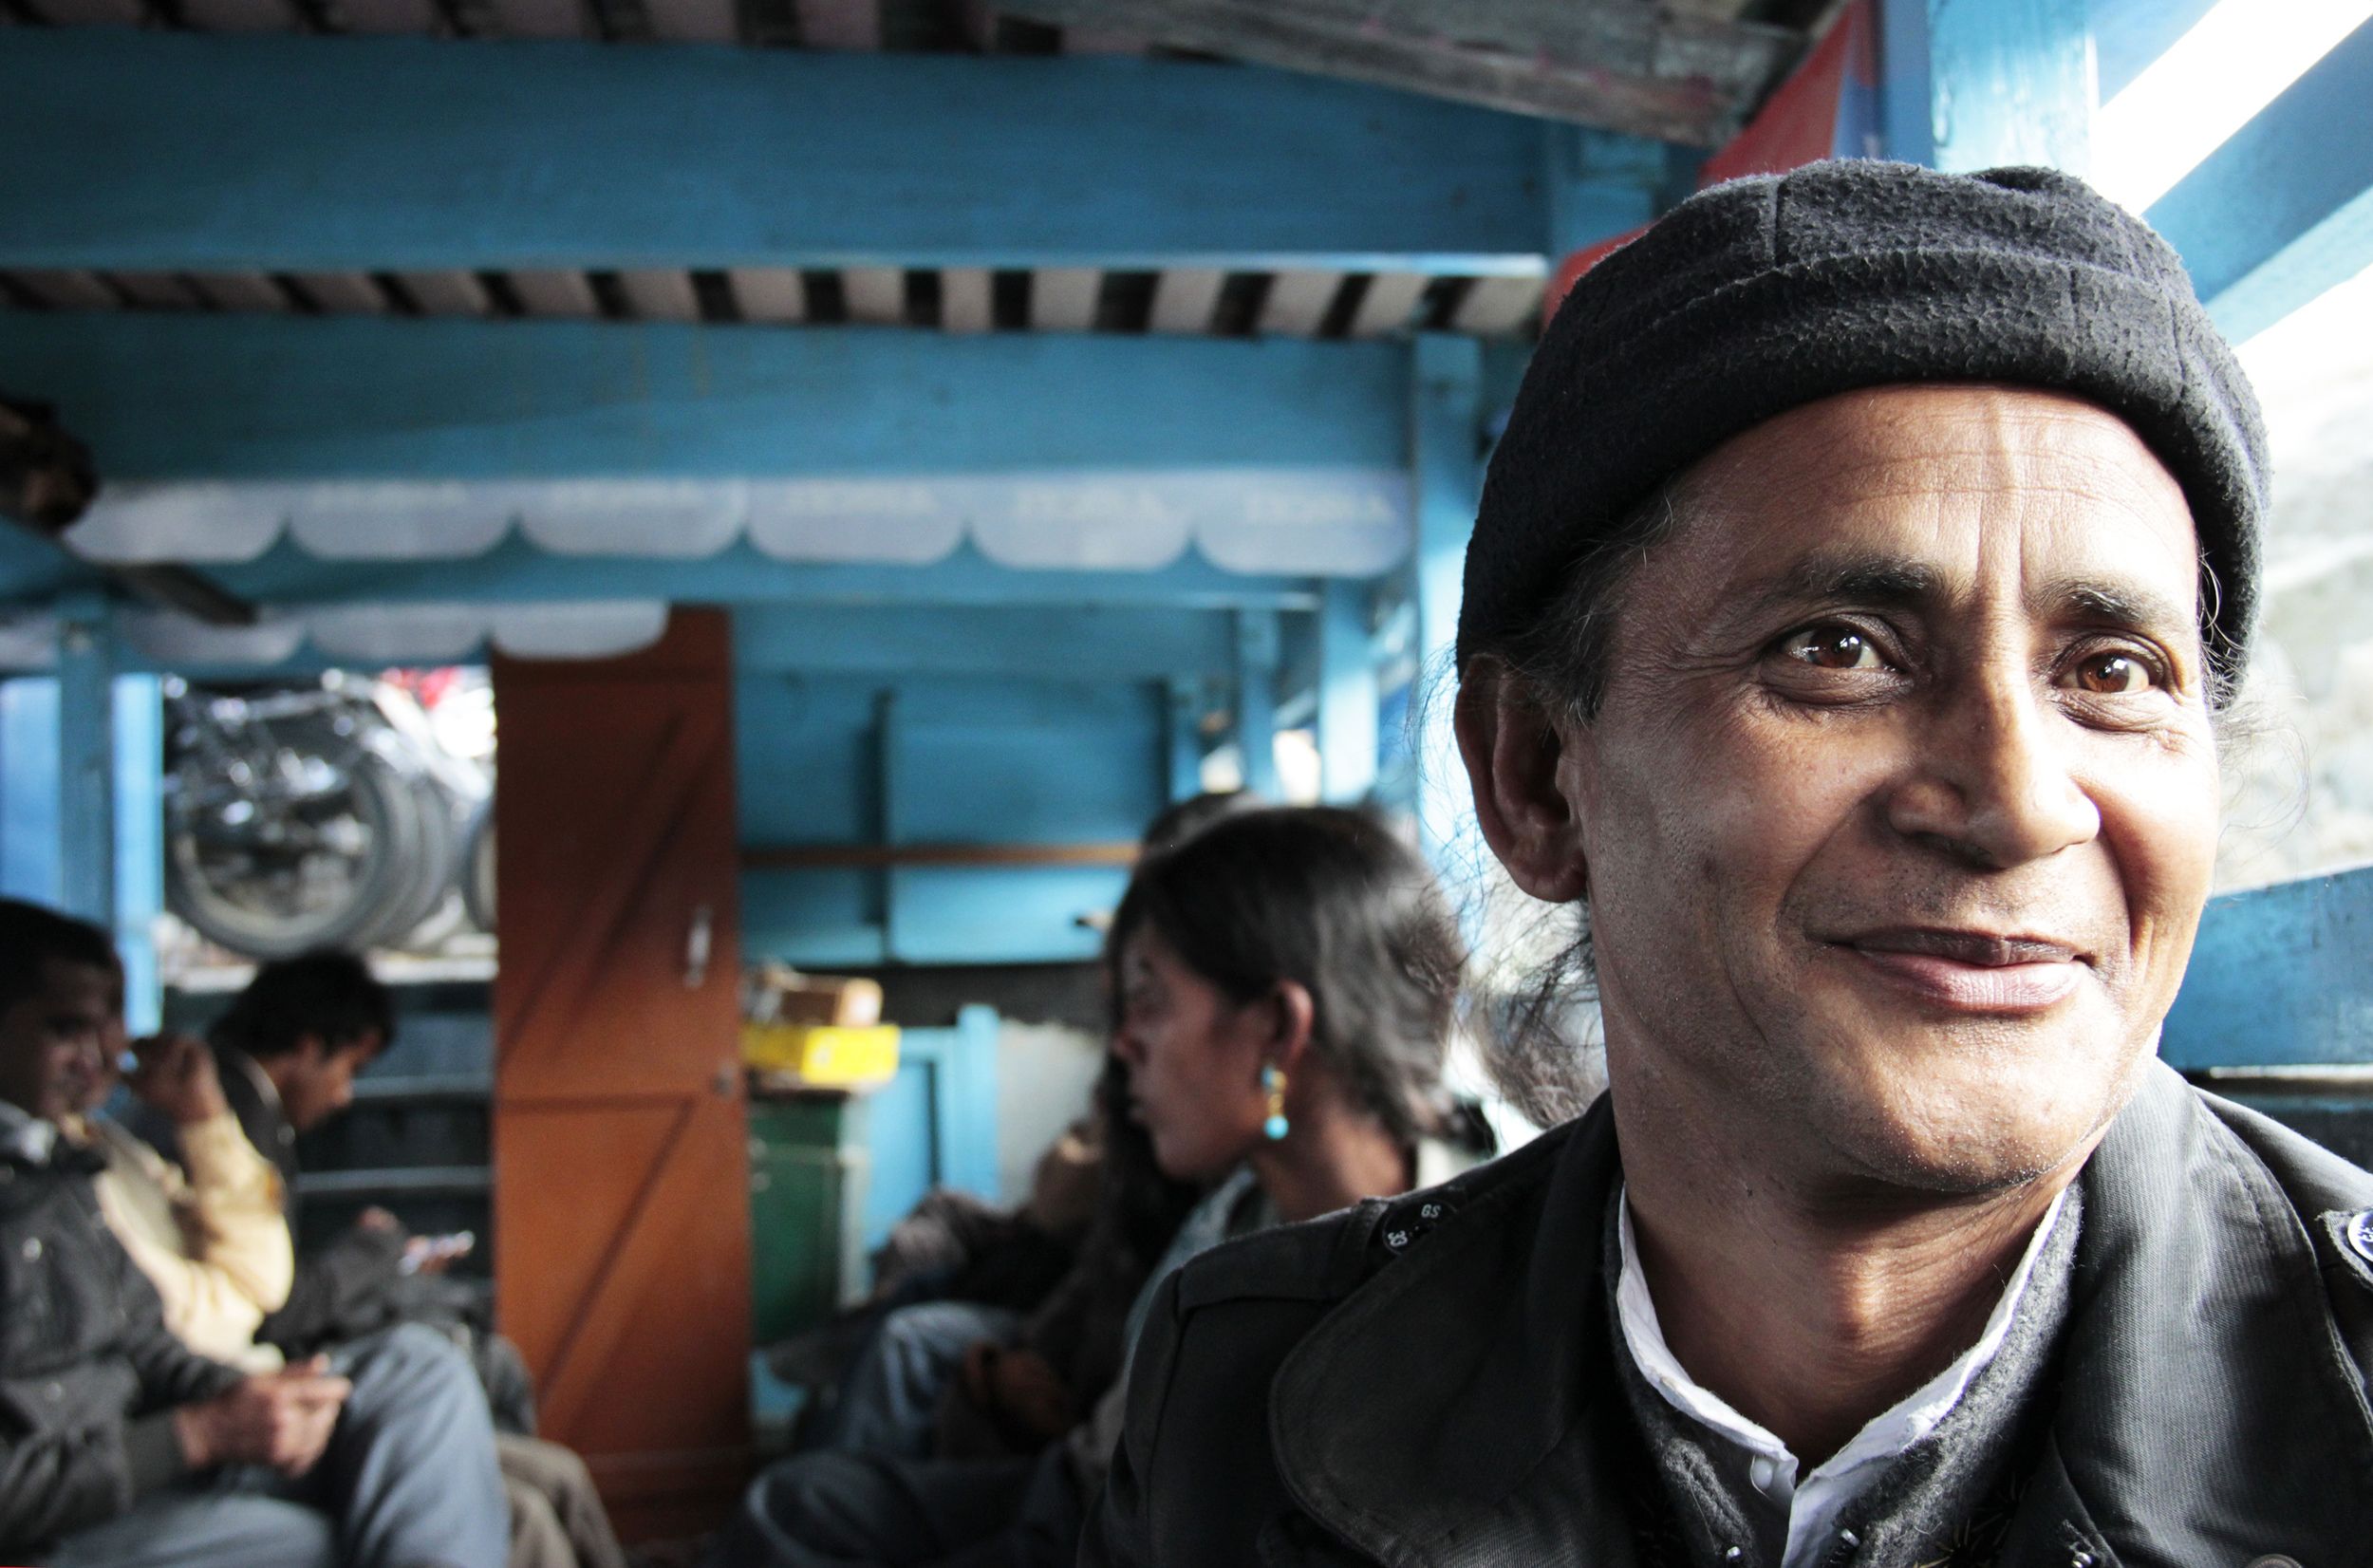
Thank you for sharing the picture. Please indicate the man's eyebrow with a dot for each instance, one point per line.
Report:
(1858, 579)
(2118, 605)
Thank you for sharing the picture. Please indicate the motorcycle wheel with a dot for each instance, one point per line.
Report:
(336, 874)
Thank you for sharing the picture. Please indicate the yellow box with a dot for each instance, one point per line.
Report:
(823, 1055)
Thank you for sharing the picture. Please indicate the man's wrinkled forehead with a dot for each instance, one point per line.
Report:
(1904, 497)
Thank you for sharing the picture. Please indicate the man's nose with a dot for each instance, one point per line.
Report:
(1991, 782)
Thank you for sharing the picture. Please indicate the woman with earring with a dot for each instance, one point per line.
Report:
(1284, 983)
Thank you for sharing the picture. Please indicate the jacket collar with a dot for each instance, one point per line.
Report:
(1456, 1408)
(1461, 1408)
(2209, 1409)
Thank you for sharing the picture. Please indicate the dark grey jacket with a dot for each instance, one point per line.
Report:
(1430, 1381)
(88, 1372)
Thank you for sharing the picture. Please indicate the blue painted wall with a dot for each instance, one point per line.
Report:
(940, 759)
(2281, 976)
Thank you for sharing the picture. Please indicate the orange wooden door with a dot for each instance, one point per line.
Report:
(621, 1230)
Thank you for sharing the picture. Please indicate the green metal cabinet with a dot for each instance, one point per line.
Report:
(805, 1246)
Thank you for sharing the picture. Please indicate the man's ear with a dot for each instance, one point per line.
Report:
(1512, 749)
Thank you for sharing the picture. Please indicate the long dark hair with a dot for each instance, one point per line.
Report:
(1331, 900)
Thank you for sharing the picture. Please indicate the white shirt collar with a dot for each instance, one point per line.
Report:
(26, 1135)
(1813, 1504)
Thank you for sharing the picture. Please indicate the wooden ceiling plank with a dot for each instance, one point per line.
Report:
(556, 293)
(661, 293)
(1628, 67)
(1495, 305)
(242, 292)
(840, 24)
(770, 294)
(390, 16)
(1385, 307)
(1063, 299)
(543, 18)
(1298, 302)
(693, 21)
(964, 300)
(344, 293)
(92, 13)
(239, 15)
(1095, 41)
(448, 293)
(156, 291)
(875, 296)
(1185, 298)
(71, 289)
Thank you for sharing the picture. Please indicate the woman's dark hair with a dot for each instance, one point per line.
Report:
(1331, 900)
(30, 936)
(329, 994)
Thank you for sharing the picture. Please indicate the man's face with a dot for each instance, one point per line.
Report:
(1901, 807)
(316, 1080)
(50, 1042)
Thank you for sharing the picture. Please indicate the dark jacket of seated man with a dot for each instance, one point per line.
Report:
(119, 1446)
(90, 1376)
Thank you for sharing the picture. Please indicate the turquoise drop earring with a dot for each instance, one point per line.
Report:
(1273, 1081)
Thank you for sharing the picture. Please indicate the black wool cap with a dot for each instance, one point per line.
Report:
(1763, 295)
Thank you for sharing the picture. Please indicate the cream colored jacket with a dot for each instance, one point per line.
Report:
(215, 1240)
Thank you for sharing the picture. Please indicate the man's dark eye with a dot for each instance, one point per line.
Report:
(1832, 648)
(2112, 673)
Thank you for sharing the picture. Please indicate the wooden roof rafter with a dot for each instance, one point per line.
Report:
(1634, 66)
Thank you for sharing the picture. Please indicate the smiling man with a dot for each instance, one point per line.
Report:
(1849, 622)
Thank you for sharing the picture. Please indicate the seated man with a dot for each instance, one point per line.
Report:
(215, 1241)
(286, 1055)
(1855, 598)
(121, 1447)
(213, 1237)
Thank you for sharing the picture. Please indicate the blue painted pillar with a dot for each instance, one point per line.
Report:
(1183, 742)
(140, 845)
(1256, 698)
(87, 831)
(1979, 83)
(1347, 694)
(886, 829)
(1446, 396)
(1601, 183)
(28, 789)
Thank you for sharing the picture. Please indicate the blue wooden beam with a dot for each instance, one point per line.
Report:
(147, 150)
(1182, 750)
(1906, 108)
(1038, 642)
(2284, 209)
(1443, 414)
(2008, 81)
(277, 398)
(1347, 694)
(1258, 649)
(87, 833)
(140, 845)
